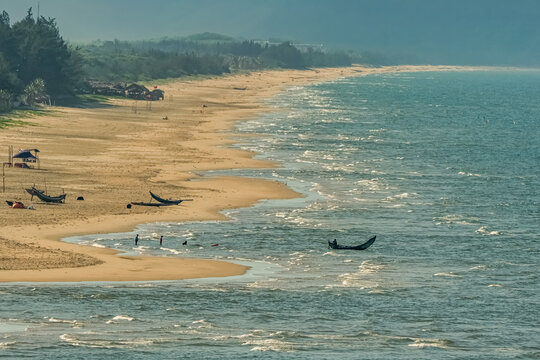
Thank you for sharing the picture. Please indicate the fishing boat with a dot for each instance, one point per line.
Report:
(167, 201)
(46, 198)
(150, 204)
(364, 246)
(32, 191)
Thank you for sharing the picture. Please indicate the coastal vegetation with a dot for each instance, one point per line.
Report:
(38, 66)
(35, 60)
(202, 54)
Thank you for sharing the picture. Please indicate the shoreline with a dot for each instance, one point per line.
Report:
(126, 149)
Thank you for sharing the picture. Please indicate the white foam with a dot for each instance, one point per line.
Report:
(176, 252)
(399, 196)
(456, 219)
(7, 344)
(269, 345)
(330, 253)
(119, 318)
(362, 278)
(423, 343)
(468, 174)
(106, 344)
(479, 267)
(53, 320)
(203, 324)
(447, 274)
(485, 231)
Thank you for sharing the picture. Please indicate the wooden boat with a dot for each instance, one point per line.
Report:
(32, 191)
(364, 246)
(150, 204)
(46, 198)
(167, 201)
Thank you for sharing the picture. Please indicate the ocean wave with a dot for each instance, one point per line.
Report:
(371, 184)
(363, 277)
(61, 321)
(270, 345)
(437, 343)
(401, 196)
(447, 274)
(203, 324)
(176, 252)
(479, 267)
(468, 174)
(330, 253)
(119, 318)
(456, 219)
(79, 340)
(262, 340)
(7, 344)
(485, 231)
(264, 284)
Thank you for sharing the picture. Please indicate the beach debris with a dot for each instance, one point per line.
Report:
(128, 206)
(80, 198)
(18, 205)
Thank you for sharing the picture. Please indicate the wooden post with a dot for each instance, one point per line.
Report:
(3, 178)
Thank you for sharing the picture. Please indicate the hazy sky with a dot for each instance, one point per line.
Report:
(438, 31)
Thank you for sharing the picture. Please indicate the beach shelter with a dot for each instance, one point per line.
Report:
(28, 155)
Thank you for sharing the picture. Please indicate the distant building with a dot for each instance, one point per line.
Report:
(138, 92)
(156, 94)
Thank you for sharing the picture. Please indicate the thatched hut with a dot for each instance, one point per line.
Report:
(156, 94)
(27, 156)
(136, 91)
(107, 88)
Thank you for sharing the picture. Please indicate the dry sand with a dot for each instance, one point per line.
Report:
(115, 153)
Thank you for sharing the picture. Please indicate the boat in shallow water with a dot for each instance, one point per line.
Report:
(364, 246)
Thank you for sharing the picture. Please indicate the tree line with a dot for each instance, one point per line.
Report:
(36, 64)
(34, 61)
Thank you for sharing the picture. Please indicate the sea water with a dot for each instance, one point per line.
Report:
(443, 167)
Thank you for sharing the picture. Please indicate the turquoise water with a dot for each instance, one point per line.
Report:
(442, 167)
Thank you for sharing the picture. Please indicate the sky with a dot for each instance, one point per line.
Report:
(490, 32)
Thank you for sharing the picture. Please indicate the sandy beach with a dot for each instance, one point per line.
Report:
(116, 153)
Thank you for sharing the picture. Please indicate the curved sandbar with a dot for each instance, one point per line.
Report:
(115, 154)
